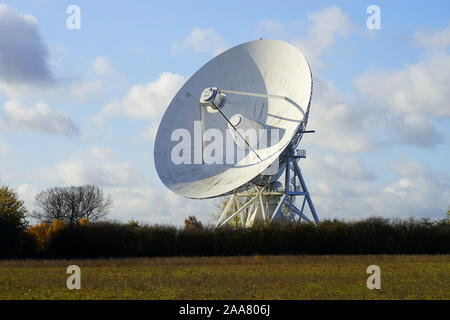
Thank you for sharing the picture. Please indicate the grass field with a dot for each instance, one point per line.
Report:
(255, 277)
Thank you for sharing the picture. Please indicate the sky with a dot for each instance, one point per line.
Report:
(82, 105)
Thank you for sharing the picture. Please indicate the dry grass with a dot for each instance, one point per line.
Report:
(256, 277)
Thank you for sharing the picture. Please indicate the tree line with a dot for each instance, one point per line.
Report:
(68, 229)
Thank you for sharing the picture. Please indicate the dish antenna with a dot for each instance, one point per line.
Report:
(233, 129)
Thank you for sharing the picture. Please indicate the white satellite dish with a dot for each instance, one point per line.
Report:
(262, 85)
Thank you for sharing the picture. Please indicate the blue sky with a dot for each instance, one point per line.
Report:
(82, 106)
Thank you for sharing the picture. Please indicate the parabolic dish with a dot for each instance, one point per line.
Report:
(265, 67)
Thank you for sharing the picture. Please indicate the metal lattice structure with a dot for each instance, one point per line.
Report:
(261, 207)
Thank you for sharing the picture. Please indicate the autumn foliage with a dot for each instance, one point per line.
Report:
(192, 223)
(43, 232)
(40, 233)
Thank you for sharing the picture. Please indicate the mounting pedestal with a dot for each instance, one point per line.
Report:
(270, 203)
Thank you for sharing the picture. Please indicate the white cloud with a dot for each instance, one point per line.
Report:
(146, 101)
(27, 193)
(104, 78)
(439, 39)
(98, 166)
(346, 189)
(339, 126)
(418, 88)
(339, 167)
(337, 183)
(76, 89)
(149, 204)
(23, 54)
(41, 118)
(83, 90)
(5, 149)
(415, 129)
(407, 100)
(419, 188)
(9, 158)
(400, 187)
(78, 172)
(101, 67)
(324, 28)
(150, 132)
(203, 41)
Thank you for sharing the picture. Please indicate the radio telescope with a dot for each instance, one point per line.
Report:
(233, 130)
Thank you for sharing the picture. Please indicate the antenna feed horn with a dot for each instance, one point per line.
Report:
(212, 98)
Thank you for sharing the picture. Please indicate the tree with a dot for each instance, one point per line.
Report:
(13, 221)
(448, 215)
(192, 223)
(71, 204)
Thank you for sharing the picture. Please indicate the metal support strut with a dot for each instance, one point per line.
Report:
(289, 194)
(258, 206)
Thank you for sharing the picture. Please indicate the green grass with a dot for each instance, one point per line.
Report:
(255, 277)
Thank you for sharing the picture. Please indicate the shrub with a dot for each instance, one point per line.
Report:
(369, 236)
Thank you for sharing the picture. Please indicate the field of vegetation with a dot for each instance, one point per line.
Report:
(249, 277)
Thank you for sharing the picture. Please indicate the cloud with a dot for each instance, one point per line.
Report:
(315, 36)
(343, 187)
(23, 54)
(410, 99)
(418, 88)
(339, 126)
(418, 187)
(416, 130)
(41, 119)
(203, 41)
(98, 79)
(324, 28)
(102, 77)
(145, 101)
(98, 166)
(149, 204)
(439, 39)
(82, 90)
(339, 167)
(150, 132)
(101, 67)
(27, 193)
(5, 150)
(9, 158)
(331, 178)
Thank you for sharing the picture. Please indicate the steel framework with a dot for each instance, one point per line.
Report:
(260, 202)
